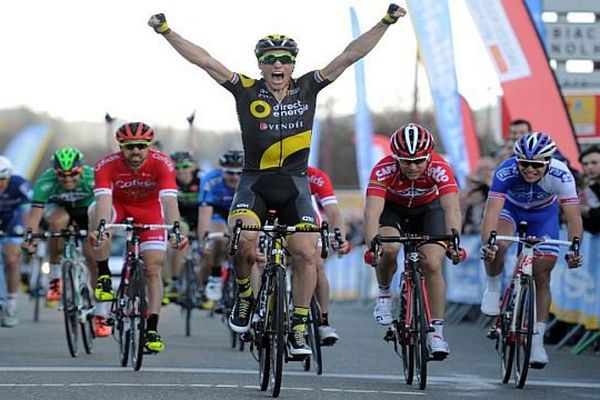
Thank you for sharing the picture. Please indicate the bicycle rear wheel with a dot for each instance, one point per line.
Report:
(507, 339)
(87, 323)
(278, 331)
(137, 309)
(69, 302)
(421, 325)
(263, 338)
(525, 325)
(407, 347)
(314, 337)
(188, 301)
(36, 286)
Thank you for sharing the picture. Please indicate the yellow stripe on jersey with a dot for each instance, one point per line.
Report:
(276, 153)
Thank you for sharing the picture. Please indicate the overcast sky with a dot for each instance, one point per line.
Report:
(78, 59)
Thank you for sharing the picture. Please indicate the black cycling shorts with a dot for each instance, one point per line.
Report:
(427, 219)
(289, 195)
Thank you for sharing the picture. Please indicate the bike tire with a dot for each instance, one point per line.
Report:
(525, 326)
(407, 347)
(137, 307)
(263, 340)
(87, 325)
(421, 325)
(314, 336)
(36, 287)
(70, 311)
(188, 301)
(278, 331)
(506, 339)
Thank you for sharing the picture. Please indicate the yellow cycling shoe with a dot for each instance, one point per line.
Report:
(153, 342)
(165, 301)
(104, 290)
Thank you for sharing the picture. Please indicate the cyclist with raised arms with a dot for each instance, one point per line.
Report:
(215, 198)
(531, 186)
(413, 190)
(61, 196)
(187, 176)
(325, 201)
(137, 182)
(276, 116)
(15, 193)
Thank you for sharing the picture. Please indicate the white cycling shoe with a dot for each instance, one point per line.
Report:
(438, 347)
(383, 311)
(538, 358)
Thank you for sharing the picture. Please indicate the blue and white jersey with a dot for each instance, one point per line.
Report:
(557, 184)
(13, 201)
(215, 192)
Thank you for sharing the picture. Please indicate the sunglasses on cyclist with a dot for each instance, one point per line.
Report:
(532, 164)
(132, 146)
(273, 58)
(72, 173)
(233, 171)
(408, 161)
(182, 166)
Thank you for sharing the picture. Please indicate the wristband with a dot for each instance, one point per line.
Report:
(163, 28)
(388, 19)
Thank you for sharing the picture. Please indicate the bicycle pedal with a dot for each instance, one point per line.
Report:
(246, 337)
(390, 336)
(329, 342)
(492, 334)
(438, 356)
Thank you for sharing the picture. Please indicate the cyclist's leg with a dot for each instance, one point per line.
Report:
(327, 333)
(57, 218)
(101, 253)
(214, 256)
(154, 256)
(11, 253)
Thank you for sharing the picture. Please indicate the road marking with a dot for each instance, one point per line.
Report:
(473, 381)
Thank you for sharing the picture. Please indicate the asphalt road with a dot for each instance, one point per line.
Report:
(35, 364)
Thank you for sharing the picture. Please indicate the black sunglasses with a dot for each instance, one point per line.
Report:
(416, 161)
(232, 172)
(273, 58)
(533, 164)
(132, 146)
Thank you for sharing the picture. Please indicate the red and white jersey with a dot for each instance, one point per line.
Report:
(146, 185)
(388, 181)
(321, 190)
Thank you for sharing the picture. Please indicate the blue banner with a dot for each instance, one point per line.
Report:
(431, 21)
(27, 148)
(362, 119)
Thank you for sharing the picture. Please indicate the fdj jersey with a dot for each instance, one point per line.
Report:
(214, 192)
(276, 135)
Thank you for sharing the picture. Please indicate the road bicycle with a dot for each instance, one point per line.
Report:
(129, 309)
(513, 329)
(270, 313)
(38, 278)
(314, 321)
(409, 330)
(76, 298)
(189, 292)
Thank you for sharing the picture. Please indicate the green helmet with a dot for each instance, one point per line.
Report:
(67, 158)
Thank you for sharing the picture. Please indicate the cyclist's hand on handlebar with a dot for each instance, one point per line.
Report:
(28, 247)
(342, 248)
(456, 256)
(488, 254)
(94, 238)
(178, 241)
(573, 260)
(158, 22)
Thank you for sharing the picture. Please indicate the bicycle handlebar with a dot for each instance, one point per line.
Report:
(65, 233)
(280, 230)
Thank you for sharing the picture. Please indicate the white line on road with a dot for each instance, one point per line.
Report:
(472, 380)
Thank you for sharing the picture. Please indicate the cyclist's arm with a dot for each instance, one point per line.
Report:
(335, 218)
(171, 208)
(373, 210)
(34, 217)
(103, 207)
(573, 219)
(491, 214)
(204, 216)
(451, 205)
(198, 56)
(357, 49)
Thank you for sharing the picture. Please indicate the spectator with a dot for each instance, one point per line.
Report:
(516, 129)
(590, 208)
(473, 198)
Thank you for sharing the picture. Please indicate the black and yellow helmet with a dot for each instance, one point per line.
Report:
(276, 42)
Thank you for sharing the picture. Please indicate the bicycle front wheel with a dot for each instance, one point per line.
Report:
(263, 338)
(407, 346)
(507, 338)
(314, 338)
(278, 331)
(69, 301)
(188, 301)
(137, 309)
(421, 331)
(86, 321)
(525, 325)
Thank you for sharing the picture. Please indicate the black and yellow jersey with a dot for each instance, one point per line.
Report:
(276, 135)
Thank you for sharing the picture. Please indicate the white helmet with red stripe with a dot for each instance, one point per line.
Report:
(412, 141)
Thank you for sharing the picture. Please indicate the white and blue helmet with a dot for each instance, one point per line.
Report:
(534, 146)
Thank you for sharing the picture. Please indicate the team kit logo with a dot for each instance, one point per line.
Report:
(261, 109)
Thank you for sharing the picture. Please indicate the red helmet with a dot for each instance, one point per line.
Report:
(411, 141)
(134, 131)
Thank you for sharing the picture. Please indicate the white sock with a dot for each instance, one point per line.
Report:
(101, 310)
(385, 292)
(438, 327)
(494, 283)
(11, 302)
(540, 328)
(55, 272)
